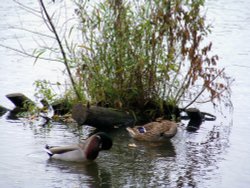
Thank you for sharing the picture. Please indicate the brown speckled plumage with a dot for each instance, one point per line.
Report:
(154, 131)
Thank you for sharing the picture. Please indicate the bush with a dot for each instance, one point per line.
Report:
(145, 56)
(140, 52)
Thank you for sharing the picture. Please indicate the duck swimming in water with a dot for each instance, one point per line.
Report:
(88, 150)
(154, 131)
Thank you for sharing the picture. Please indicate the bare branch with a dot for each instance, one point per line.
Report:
(29, 54)
(52, 27)
(203, 89)
(28, 9)
(33, 32)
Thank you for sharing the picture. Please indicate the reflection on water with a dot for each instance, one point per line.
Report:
(189, 160)
(208, 157)
(87, 174)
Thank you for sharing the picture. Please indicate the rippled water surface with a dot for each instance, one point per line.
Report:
(215, 156)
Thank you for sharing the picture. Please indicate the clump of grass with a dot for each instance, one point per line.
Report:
(145, 56)
(141, 52)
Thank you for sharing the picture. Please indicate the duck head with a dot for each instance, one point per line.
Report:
(106, 141)
(95, 143)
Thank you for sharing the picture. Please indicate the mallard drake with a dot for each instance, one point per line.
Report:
(88, 150)
(154, 131)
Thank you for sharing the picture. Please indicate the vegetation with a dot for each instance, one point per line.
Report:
(148, 51)
(142, 55)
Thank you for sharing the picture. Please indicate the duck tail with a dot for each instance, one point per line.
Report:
(131, 131)
(171, 133)
(47, 150)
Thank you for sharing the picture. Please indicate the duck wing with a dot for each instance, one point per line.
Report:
(51, 150)
(170, 129)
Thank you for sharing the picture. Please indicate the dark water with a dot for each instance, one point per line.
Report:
(215, 156)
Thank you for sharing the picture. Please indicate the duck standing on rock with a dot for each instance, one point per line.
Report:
(86, 151)
(156, 131)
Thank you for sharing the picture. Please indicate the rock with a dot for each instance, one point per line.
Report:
(3, 110)
(20, 100)
(194, 114)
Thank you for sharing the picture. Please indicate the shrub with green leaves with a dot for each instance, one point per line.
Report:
(138, 52)
(137, 55)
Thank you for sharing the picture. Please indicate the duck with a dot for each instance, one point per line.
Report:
(155, 131)
(83, 151)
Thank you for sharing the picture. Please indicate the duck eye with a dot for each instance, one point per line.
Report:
(141, 130)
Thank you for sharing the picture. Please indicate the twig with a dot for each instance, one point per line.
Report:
(33, 32)
(28, 9)
(203, 89)
(52, 27)
(216, 95)
(28, 54)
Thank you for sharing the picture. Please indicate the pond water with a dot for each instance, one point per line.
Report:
(215, 156)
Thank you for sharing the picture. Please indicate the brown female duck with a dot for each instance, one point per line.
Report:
(154, 131)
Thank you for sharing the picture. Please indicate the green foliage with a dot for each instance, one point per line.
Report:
(29, 108)
(44, 90)
(142, 51)
(144, 56)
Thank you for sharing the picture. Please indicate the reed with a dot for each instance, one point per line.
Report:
(139, 55)
(139, 52)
